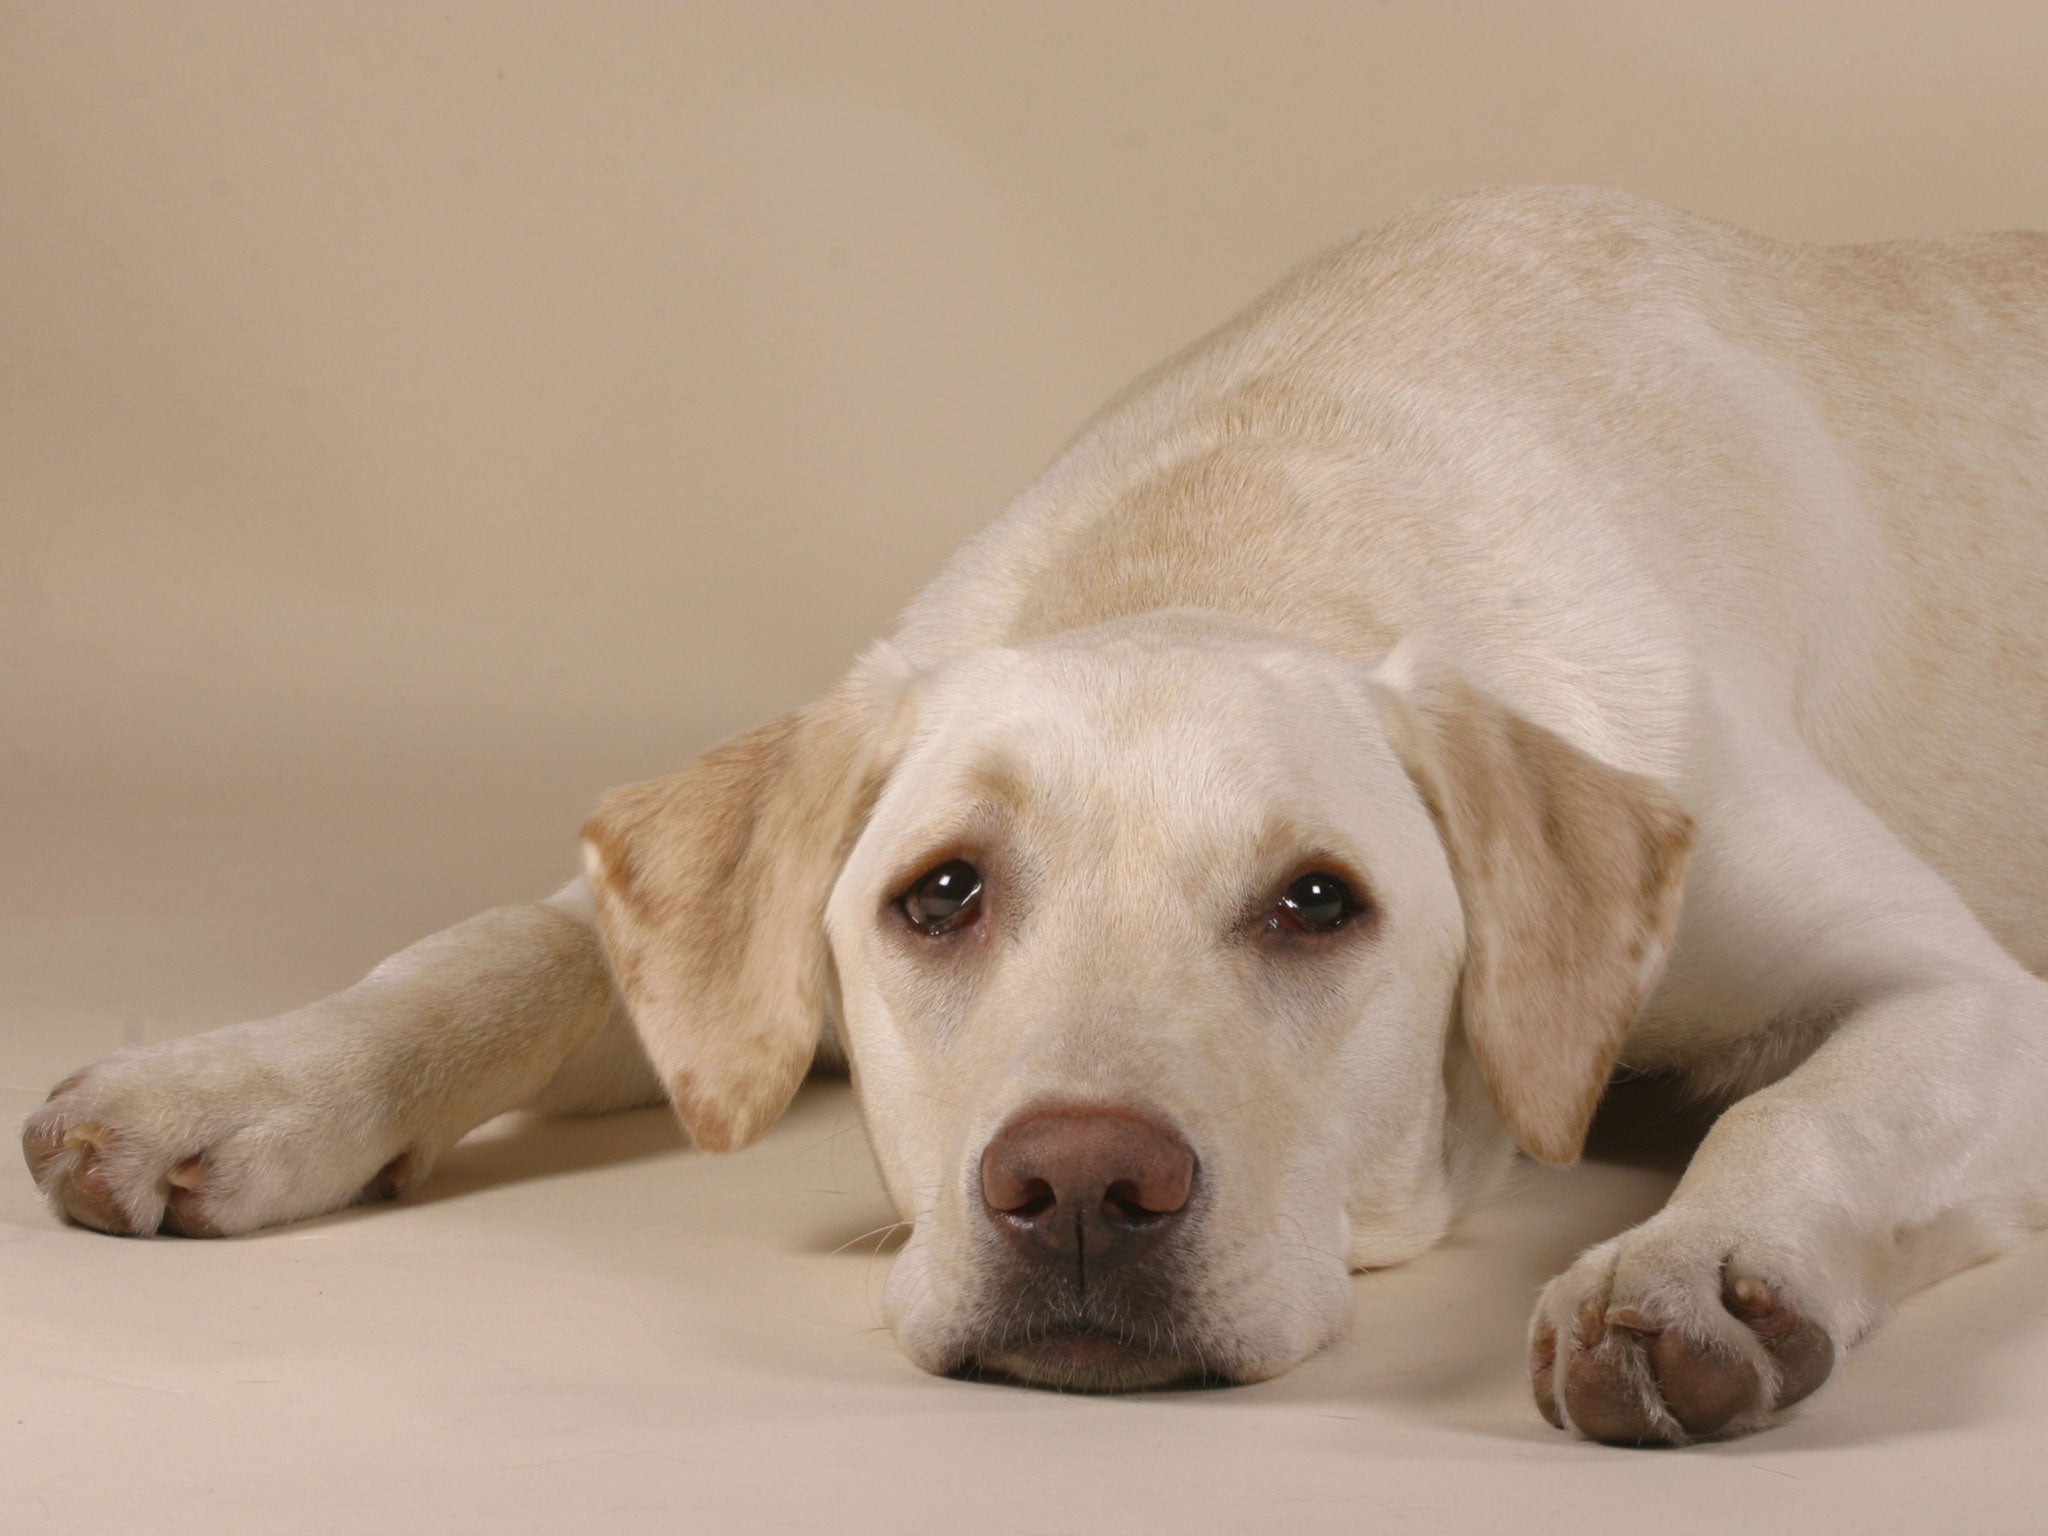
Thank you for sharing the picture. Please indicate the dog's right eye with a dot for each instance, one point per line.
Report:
(944, 899)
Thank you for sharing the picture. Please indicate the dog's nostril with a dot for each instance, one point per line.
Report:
(1013, 1187)
(1123, 1201)
(1036, 1200)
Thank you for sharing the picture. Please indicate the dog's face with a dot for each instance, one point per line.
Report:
(1182, 970)
(1172, 916)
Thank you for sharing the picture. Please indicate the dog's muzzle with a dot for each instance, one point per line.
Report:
(1087, 1207)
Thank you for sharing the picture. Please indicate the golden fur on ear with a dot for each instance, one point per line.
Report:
(710, 886)
(1569, 873)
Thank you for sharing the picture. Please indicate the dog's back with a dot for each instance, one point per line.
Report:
(1822, 471)
(1928, 361)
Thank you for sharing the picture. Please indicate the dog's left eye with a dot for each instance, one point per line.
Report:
(1317, 902)
(944, 898)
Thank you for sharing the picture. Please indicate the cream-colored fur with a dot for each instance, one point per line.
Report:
(1651, 617)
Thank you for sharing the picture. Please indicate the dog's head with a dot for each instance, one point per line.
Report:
(1182, 968)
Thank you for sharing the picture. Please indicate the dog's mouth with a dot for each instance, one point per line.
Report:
(1084, 1357)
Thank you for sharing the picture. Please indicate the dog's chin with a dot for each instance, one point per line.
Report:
(1083, 1359)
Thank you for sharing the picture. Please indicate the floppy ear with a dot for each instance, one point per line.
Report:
(710, 887)
(1569, 873)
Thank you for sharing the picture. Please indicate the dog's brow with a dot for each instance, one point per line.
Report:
(1281, 839)
(1285, 845)
(997, 782)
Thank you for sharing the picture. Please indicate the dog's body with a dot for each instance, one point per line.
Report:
(1493, 560)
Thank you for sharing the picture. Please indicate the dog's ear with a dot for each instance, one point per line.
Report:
(710, 888)
(1569, 873)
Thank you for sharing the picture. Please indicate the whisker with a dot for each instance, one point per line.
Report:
(882, 1231)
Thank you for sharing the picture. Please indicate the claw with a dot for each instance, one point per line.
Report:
(1607, 1396)
(85, 1195)
(1543, 1374)
(1804, 1352)
(41, 1144)
(183, 1214)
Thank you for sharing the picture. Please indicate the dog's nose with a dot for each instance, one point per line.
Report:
(1093, 1185)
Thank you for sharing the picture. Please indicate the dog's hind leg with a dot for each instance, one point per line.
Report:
(353, 1097)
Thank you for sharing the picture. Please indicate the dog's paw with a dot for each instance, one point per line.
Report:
(205, 1137)
(1662, 1337)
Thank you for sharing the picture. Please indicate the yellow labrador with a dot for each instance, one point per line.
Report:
(1546, 633)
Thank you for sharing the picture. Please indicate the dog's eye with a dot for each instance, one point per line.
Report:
(944, 898)
(1317, 902)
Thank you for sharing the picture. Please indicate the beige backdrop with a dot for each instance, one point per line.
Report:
(414, 419)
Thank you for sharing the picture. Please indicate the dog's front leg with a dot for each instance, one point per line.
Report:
(349, 1098)
(1912, 1142)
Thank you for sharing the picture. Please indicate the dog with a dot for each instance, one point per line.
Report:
(1546, 635)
